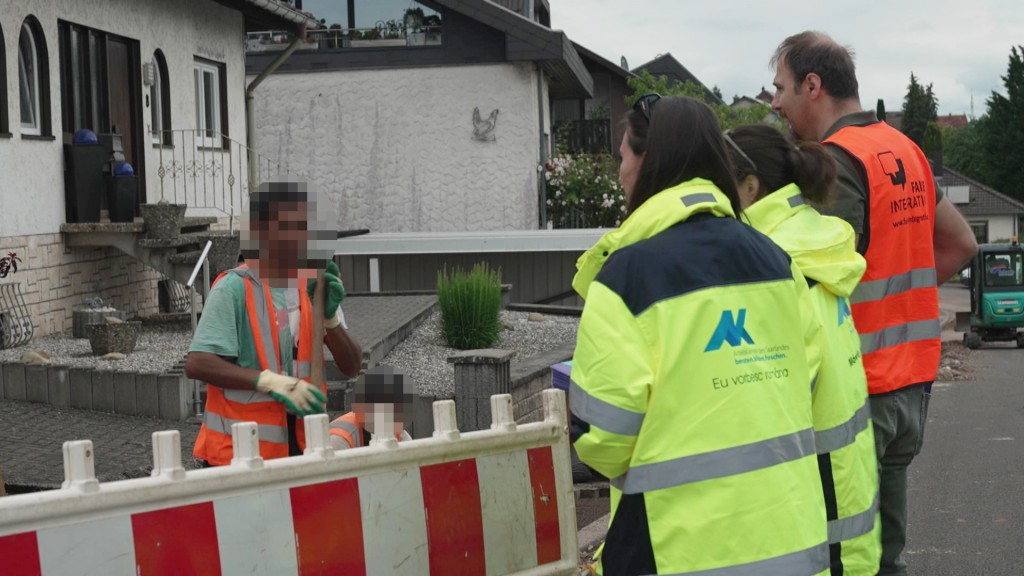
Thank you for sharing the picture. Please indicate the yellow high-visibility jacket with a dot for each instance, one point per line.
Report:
(691, 391)
(824, 249)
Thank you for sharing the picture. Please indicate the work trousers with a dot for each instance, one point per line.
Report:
(899, 419)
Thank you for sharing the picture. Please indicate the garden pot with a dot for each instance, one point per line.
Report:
(81, 318)
(106, 338)
(163, 221)
(223, 253)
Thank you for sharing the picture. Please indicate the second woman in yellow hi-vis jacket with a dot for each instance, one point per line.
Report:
(775, 178)
(690, 383)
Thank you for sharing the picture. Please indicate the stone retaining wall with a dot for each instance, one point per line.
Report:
(165, 396)
(54, 282)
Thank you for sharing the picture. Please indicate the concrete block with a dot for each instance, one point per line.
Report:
(59, 386)
(147, 395)
(173, 393)
(81, 388)
(36, 387)
(479, 374)
(103, 391)
(125, 397)
(422, 425)
(14, 381)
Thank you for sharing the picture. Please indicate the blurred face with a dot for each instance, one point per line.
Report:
(629, 168)
(789, 102)
(283, 242)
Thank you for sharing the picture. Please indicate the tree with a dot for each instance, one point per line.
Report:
(1002, 131)
(717, 92)
(919, 108)
(880, 110)
(931, 142)
(963, 151)
(728, 117)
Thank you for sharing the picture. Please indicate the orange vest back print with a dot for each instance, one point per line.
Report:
(225, 406)
(896, 305)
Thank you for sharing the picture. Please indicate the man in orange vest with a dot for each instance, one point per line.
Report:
(912, 238)
(253, 346)
(381, 406)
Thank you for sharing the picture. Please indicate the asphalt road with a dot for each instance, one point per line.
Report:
(966, 488)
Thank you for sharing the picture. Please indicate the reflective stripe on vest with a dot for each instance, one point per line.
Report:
(246, 396)
(895, 307)
(851, 527)
(809, 561)
(717, 463)
(844, 434)
(268, 433)
(900, 334)
(351, 429)
(605, 416)
(898, 284)
(700, 198)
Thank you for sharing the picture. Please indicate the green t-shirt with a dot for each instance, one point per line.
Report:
(224, 327)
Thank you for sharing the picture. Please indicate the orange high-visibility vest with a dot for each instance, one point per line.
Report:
(348, 429)
(226, 406)
(896, 305)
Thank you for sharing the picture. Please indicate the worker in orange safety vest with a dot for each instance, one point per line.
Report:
(254, 343)
(382, 405)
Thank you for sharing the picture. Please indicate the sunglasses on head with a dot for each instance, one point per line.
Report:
(736, 147)
(645, 104)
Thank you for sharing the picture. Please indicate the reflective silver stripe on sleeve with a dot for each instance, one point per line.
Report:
(693, 199)
(267, 331)
(352, 429)
(605, 416)
(853, 526)
(844, 434)
(810, 561)
(716, 464)
(796, 200)
(268, 433)
(246, 396)
(899, 334)
(898, 284)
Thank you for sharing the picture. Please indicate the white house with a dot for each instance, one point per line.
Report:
(167, 75)
(415, 127)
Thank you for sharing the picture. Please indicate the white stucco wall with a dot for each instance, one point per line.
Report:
(394, 148)
(32, 181)
(999, 227)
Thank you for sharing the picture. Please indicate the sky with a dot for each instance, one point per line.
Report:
(960, 47)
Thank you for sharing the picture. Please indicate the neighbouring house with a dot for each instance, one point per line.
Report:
(161, 82)
(952, 121)
(666, 65)
(435, 120)
(595, 124)
(992, 215)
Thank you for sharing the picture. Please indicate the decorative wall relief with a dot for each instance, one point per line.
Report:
(483, 130)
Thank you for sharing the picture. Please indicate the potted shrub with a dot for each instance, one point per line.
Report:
(92, 312)
(163, 219)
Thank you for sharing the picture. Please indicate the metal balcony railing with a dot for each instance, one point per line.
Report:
(210, 173)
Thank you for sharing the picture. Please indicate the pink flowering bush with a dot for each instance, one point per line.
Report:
(583, 191)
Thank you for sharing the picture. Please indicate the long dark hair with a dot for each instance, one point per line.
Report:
(682, 141)
(777, 162)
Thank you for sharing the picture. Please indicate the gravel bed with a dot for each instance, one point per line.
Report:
(159, 349)
(423, 356)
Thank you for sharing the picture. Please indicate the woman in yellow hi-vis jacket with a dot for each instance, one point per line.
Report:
(690, 382)
(775, 178)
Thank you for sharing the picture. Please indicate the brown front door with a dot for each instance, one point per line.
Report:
(124, 100)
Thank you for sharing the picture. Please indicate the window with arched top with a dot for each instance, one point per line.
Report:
(160, 101)
(33, 80)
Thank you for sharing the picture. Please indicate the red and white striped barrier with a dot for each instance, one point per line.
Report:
(496, 501)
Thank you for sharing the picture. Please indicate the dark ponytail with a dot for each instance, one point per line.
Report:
(777, 162)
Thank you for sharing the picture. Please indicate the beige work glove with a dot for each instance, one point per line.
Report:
(299, 396)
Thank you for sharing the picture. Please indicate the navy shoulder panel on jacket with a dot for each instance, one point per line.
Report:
(702, 252)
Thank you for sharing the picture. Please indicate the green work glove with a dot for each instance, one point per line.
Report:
(299, 396)
(334, 294)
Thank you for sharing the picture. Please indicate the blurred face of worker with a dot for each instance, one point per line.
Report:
(382, 403)
(790, 102)
(283, 243)
(629, 168)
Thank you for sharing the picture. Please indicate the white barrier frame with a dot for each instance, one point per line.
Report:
(82, 498)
